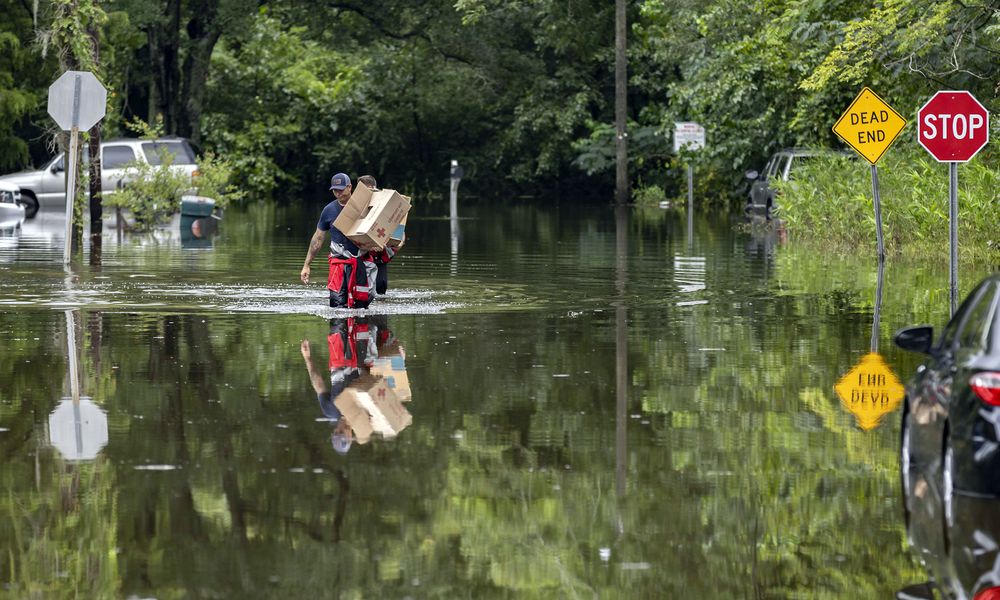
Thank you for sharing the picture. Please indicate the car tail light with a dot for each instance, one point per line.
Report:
(987, 387)
(992, 593)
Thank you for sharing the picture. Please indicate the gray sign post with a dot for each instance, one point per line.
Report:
(77, 100)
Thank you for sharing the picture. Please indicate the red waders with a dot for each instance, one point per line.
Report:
(351, 281)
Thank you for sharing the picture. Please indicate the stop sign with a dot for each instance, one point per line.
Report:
(953, 126)
(77, 99)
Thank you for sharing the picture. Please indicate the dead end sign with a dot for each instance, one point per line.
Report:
(869, 125)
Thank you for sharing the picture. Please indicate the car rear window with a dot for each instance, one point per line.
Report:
(116, 157)
(181, 151)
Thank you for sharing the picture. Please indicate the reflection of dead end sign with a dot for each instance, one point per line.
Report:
(78, 430)
(870, 391)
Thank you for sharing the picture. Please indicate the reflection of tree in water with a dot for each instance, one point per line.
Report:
(58, 520)
(747, 471)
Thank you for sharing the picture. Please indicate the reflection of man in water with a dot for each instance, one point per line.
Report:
(352, 352)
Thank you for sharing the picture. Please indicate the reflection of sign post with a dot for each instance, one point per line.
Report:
(870, 126)
(76, 101)
(870, 391)
(79, 430)
(953, 127)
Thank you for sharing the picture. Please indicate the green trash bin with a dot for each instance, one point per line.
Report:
(197, 206)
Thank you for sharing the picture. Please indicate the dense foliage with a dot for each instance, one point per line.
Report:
(520, 92)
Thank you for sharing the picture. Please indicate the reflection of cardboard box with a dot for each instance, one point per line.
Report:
(370, 406)
(352, 409)
(370, 217)
(394, 370)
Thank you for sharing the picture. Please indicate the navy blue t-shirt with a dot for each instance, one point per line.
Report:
(326, 218)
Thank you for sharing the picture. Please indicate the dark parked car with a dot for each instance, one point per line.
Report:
(962, 558)
(780, 167)
(951, 414)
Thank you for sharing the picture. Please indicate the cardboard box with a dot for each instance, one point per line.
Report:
(398, 237)
(370, 406)
(371, 216)
(394, 370)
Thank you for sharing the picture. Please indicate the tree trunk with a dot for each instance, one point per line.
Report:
(164, 51)
(96, 199)
(621, 105)
(195, 78)
(181, 64)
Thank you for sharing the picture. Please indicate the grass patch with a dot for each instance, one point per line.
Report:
(830, 202)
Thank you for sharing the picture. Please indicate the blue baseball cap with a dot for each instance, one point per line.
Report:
(340, 181)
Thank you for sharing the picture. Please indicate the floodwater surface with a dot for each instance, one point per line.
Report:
(551, 401)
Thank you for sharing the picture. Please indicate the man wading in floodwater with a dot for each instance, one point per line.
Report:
(352, 272)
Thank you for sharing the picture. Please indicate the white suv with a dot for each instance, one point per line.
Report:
(47, 186)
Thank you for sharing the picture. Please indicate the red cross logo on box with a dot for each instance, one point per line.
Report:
(381, 232)
(953, 126)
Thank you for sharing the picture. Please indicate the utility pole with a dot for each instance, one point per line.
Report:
(621, 106)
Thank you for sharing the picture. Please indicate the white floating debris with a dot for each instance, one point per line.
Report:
(155, 467)
(560, 374)
(692, 302)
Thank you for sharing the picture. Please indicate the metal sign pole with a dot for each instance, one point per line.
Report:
(74, 135)
(74, 368)
(878, 216)
(70, 159)
(690, 187)
(456, 177)
(690, 210)
(953, 231)
(878, 306)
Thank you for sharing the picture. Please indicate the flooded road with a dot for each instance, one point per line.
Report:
(568, 406)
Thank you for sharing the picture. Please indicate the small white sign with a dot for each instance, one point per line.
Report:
(77, 99)
(688, 136)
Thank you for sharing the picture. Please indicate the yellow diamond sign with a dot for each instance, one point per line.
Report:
(869, 125)
(870, 391)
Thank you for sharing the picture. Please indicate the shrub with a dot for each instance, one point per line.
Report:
(153, 193)
(830, 198)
